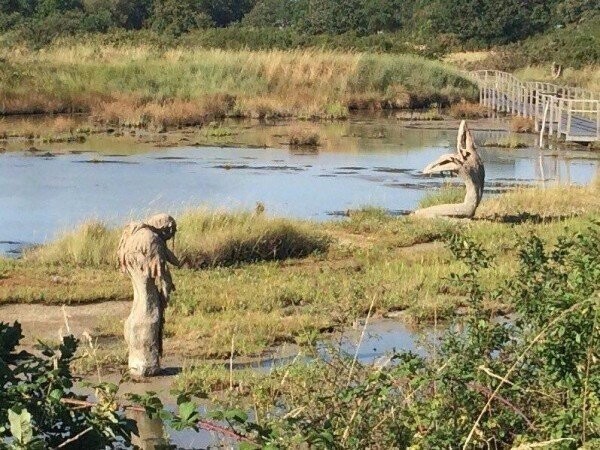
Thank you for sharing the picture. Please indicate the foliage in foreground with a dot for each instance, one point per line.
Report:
(34, 408)
(534, 378)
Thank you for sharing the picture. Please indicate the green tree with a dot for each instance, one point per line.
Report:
(225, 12)
(175, 17)
(128, 14)
(276, 13)
(50, 7)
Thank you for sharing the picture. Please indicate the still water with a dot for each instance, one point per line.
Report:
(361, 163)
(373, 343)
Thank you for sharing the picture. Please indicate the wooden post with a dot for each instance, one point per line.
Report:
(569, 114)
(560, 112)
(543, 127)
(514, 96)
(537, 108)
(597, 120)
(551, 100)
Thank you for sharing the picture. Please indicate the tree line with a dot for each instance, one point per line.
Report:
(478, 22)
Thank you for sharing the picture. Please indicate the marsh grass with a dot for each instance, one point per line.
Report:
(204, 379)
(448, 193)
(403, 261)
(421, 115)
(587, 77)
(551, 202)
(512, 141)
(93, 244)
(206, 239)
(520, 124)
(304, 136)
(141, 85)
(209, 239)
(466, 110)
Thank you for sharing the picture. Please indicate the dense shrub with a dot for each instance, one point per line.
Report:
(435, 26)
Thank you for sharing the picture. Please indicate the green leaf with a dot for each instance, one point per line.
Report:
(236, 414)
(187, 410)
(20, 425)
(56, 394)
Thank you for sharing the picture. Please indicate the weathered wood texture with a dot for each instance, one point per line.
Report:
(573, 113)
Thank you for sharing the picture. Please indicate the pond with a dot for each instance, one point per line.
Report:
(361, 162)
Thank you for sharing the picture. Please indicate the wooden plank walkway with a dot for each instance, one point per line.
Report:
(568, 112)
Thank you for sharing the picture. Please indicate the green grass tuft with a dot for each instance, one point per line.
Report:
(205, 239)
(448, 193)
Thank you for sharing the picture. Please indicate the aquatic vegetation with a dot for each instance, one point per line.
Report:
(511, 141)
(464, 110)
(304, 136)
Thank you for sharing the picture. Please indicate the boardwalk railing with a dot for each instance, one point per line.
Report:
(562, 110)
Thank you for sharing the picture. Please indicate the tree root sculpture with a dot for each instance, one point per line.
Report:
(469, 166)
(144, 256)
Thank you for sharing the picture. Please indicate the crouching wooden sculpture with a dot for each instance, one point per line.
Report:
(468, 165)
(144, 256)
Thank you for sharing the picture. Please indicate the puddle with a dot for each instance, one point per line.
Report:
(380, 340)
(40, 197)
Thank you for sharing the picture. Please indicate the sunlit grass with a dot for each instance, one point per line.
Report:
(141, 85)
(399, 263)
(586, 77)
(448, 193)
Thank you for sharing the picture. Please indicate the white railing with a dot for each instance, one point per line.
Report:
(563, 110)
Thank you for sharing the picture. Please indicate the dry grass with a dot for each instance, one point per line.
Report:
(135, 112)
(304, 136)
(586, 77)
(461, 59)
(543, 202)
(464, 110)
(31, 128)
(520, 124)
(141, 85)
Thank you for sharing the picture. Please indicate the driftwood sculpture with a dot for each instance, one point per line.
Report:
(468, 165)
(144, 256)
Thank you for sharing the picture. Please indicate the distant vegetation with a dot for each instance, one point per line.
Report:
(144, 85)
(422, 26)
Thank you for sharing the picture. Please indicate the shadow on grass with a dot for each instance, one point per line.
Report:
(524, 217)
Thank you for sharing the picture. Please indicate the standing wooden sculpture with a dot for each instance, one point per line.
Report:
(144, 256)
(469, 166)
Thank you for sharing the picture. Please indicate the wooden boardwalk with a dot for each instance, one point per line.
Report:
(568, 112)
